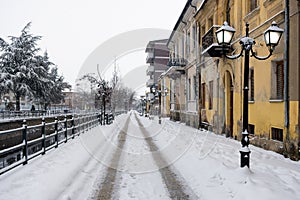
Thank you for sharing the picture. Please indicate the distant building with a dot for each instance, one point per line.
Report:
(158, 57)
(68, 98)
(8, 102)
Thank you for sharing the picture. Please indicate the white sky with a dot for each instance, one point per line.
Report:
(72, 29)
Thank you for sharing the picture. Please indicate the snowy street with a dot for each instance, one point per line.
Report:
(137, 158)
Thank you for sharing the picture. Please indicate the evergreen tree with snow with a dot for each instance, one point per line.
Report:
(55, 87)
(25, 73)
(17, 63)
(50, 85)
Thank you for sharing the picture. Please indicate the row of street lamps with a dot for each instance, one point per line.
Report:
(224, 36)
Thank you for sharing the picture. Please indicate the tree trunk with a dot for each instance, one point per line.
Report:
(46, 106)
(18, 102)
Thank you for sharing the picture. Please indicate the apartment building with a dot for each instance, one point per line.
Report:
(158, 56)
(183, 45)
(206, 88)
(273, 111)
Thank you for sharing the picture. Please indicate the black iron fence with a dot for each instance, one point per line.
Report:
(32, 141)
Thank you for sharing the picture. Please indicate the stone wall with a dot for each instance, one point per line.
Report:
(192, 120)
(288, 149)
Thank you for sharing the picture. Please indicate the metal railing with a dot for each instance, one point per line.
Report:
(177, 62)
(209, 37)
(35, 140)
(23, 114)
(37, 113)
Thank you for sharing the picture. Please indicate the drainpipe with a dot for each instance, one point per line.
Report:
(286, 70)
(298, 82)
(197, 69)
(218, 96)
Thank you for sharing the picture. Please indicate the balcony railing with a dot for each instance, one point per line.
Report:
(150, 70)
(150, 82)
(150, 57)
(177, 62)
(209, 37)
(210, 46)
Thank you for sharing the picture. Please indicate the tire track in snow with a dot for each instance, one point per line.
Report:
(176, 185)
(108, 184)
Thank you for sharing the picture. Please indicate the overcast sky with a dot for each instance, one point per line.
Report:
(73, 29)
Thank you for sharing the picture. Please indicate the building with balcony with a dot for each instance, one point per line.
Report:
(205, 88)
(183, 45)
(211, 91)
(157, 58)
(273, 111)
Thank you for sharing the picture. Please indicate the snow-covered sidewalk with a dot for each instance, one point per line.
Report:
(210, 165)
(207, 163)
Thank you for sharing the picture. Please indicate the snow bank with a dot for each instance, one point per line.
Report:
(211, 162)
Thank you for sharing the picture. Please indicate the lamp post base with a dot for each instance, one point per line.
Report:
(245, 157)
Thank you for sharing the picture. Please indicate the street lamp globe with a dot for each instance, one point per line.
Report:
(166, 91)
(225, 34)
(153, 90)
(272, 35)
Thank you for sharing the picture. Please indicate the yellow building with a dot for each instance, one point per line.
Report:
(273, 112)
(206, 89)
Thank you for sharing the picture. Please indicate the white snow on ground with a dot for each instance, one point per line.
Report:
(139, 177)
(209, 164)
(211, 167)
(67, 172)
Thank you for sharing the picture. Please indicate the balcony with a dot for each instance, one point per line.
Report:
(150, 83)
(177, 62)
(210, 46)
(150, 57)
(150, 70)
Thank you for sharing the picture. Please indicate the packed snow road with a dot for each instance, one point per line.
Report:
(137, 158)
(173, 187)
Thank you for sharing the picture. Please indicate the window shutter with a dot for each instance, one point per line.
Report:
(279, 80)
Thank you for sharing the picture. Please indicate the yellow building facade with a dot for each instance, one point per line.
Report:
(206, 89)
(273, 118)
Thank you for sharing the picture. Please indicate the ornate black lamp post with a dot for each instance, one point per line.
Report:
(224, 37)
